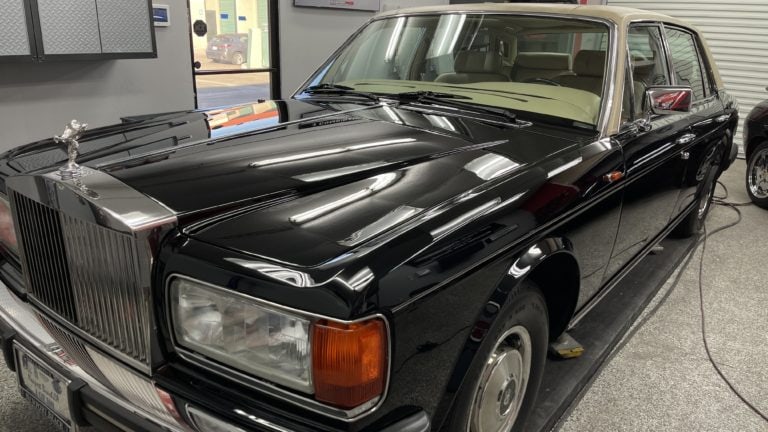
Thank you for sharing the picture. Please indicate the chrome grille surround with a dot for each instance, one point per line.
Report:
(87, 247)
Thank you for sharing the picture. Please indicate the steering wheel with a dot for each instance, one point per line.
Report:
(543, 81)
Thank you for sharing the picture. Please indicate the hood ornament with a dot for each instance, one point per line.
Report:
(72, 133)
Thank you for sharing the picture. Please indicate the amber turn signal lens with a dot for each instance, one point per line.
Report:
(349, 362)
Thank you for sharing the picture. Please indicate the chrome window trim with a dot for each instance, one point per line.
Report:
(609, 81)
(111, 204)
(261, 384)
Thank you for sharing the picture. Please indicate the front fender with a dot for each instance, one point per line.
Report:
(522, 265)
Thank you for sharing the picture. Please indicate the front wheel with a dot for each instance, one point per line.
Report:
(757, 175)
(501, 386)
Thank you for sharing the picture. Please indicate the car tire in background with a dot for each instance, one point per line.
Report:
(238, 58)
(500, 388)
(757, 175)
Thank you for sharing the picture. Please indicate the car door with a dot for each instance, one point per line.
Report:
(707, 116)
(654, 162)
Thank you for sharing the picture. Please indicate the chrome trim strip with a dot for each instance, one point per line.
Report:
(18, 315)
(278, 392)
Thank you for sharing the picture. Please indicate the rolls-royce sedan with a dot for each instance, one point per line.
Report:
(391, 249)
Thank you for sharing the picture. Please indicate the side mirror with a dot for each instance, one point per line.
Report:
(666, 100)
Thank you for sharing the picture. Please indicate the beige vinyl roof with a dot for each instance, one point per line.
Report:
(616, 14)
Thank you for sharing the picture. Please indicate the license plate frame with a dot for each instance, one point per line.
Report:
(45, 388)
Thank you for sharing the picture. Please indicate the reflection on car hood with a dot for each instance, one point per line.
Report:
(302, 182)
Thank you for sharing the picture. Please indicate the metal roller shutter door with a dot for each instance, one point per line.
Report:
(736, 33)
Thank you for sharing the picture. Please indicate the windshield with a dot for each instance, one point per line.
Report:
(551, 66)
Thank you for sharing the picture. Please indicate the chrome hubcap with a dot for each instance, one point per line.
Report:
(706, 199)
(500, 393)
(758, 174)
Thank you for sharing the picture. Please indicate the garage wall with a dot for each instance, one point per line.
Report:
(737, 34)
(37, 100)
(308, 36)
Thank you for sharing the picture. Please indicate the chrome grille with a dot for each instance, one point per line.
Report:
(85, 273)
(45, 265)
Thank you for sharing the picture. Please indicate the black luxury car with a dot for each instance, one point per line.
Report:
(756, 151)
(391, 249)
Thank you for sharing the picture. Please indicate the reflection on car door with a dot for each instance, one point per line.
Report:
(654, 164)
(706, 111)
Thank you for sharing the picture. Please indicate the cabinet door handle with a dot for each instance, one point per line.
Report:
(686, 139)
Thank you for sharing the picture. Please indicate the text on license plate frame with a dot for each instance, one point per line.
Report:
(33, 377)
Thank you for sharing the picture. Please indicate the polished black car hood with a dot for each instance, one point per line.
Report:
(303, 182)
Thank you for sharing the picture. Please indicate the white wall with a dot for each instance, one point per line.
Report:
(308, 36)
(37, 100)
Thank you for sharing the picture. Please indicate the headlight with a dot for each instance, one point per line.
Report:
(237, 331)
(343, 364)
(7, 230)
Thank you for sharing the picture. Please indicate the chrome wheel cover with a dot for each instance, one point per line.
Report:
(706, 199)
(757, 177)
(503, 381)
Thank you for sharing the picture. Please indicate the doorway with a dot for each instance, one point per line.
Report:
(237, 60)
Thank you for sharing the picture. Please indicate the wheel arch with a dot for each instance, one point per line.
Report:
(553, 267)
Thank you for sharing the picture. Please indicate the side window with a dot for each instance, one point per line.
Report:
(646, 58)
(686, 62)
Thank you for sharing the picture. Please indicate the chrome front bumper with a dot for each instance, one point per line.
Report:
(20, 320)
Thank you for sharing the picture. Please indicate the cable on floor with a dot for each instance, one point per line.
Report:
(725, 379)
(702, 241)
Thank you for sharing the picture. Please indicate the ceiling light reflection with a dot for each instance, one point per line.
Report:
(490, 166)
(333, 151)
(475, 213)
(379, 182)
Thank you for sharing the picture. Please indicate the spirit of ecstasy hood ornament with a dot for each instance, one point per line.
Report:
(72, 133)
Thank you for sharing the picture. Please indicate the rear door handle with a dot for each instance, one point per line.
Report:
(686, 139)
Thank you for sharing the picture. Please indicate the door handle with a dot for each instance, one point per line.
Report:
(686, 139)
(723, 118)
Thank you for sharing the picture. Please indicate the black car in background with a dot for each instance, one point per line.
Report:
(756, 151)
(228, 48)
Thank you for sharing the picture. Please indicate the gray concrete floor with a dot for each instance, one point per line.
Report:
(660, 380)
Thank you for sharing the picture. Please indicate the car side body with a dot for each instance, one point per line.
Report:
(425, 217)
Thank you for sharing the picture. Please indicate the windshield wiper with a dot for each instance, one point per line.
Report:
(337, 89)
(449, 100)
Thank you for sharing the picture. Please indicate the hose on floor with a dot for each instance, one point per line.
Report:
(702, 241)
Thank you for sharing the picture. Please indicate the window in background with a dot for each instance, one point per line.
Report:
(234, 60)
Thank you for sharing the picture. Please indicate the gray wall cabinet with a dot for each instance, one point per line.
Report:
(42, 30)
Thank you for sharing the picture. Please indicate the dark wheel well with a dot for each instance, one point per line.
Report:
(558, 278)
(754, 142)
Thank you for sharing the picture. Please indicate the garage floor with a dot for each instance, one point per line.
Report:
(660, 379)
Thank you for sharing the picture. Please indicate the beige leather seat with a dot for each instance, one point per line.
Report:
(588, 69)
(474, 66)
(529, 65)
